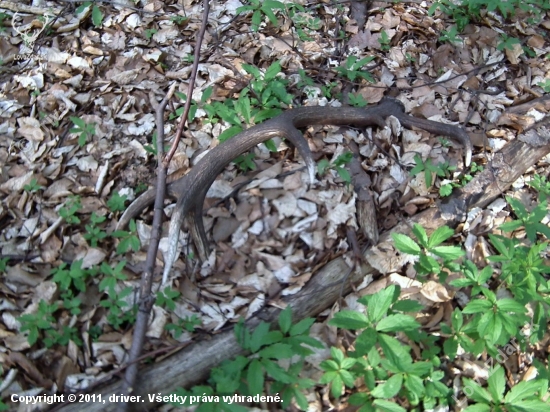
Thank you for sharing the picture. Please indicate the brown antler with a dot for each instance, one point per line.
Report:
(191, 189)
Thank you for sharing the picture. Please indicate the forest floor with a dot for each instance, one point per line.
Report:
(79, 85)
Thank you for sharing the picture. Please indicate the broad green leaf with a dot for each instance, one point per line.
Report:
(476, 392)
(285, 319)
(448, 252)
(380, 302)
(387, 406)
(349, 319)
(390, 388)
(255, 377)
(405, 244)
(397, 323)
(420, 234)
(97, 16)
(478, 306)
(229, 133)
(497, 383)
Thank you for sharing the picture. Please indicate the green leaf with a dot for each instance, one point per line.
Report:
(397, 323)
(420, 234)
(348, 319)
(97, 16)
(405, 244)
(270, 144)
(301, 327)
(448, 252)
(407, 305)
(255, 377)
(440, 235)
(387, 406)
(272, 70)
(229, 133)
(285, 319)
(395, 352)
(478, 306)
(497, 383)
(277, 351)
(380, 302)
(390, 388)
(476, 392)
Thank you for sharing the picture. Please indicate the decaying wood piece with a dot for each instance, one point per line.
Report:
(191, 189)
(192, 365)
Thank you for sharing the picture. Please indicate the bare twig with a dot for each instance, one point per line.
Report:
(146, 298)
(192, 77)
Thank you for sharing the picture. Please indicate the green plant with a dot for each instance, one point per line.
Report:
(4, 264)
(180, 20)
(116, 202)
(189, 58)
(189, 324)
(352, 68)
(440, 169)
(384, 41)
(71, 303)
(249, 375)
(140, 188)
(94, 233)
(129, 240)
(38, 322)
(450, 35)
(541, 185)
(304, 23)
(3, 18)
(33, 186)
(427, 247)
(524, 396)
(75, 276)
(117, 313)
(530, 221)
(260, 8)
(112, 276)
(97, 16)
(338, 165)
(69, 209)
(83, 129)
(507, 43)
(447, 188)
(149, 33)
(545, 85)
(357, 100)
(152, 148)
(167, 298)
(384, 364)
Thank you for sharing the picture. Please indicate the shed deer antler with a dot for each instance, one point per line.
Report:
(190, 190)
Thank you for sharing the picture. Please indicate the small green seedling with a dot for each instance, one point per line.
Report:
(94, 233)
(69, 210)
(149, 33)
(384, 41)
(116, 202)
(128, 240)
(83, 129)
(261, 8)
(33, 186)
(427, 247)
(338, 165)
(441, 169)
(352, 68)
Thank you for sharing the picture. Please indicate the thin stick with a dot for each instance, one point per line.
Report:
(191, 86)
